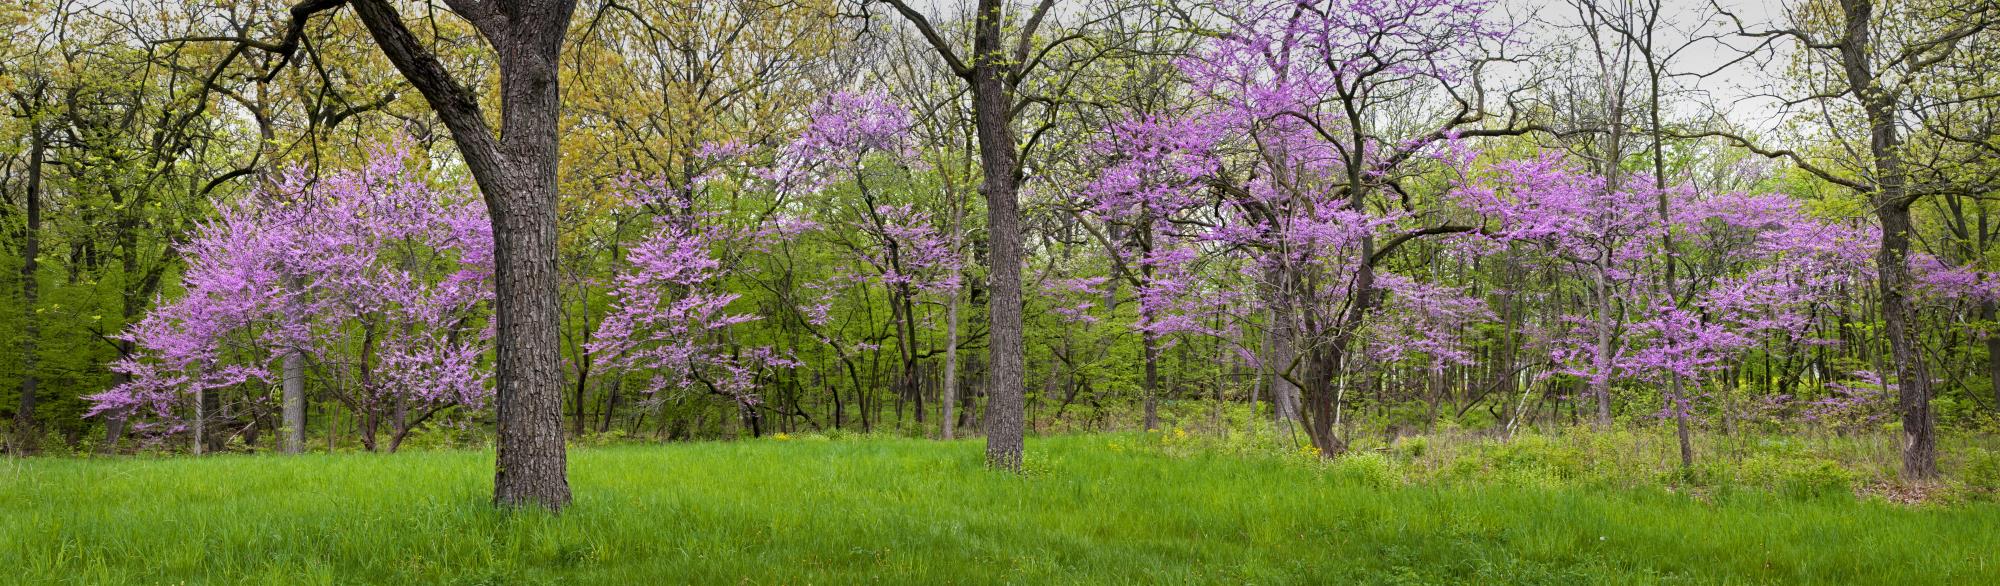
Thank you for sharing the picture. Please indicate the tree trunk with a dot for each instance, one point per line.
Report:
(1986, 314)
(1600, 365)
(948, 421)
(993, 116)
(516, 170)
(1278, 338)
(114, 433)
(1319, 400)
(1681, 423)
(582, 382)
(204, 410)
(1913, 382)
(295, 402)
(1891, 201)
(911, 373)
(610, 405)
(27, 431)
(1151, 348)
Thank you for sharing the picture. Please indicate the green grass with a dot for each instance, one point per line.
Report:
(1095, 510)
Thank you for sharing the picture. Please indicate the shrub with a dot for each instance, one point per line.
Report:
(1411, 447)
(1798, 478)
(614, 436)
(1367, 469)
(1981, 470)
(1527, 460)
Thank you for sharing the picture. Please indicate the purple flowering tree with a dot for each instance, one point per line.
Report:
(380, 280)
(855, 154)
(1758, 269)
(1317, 185)
(1151, 193)
(670, 319)
(1602, 233)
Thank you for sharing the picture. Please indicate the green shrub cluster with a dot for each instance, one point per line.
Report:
(1789, 467)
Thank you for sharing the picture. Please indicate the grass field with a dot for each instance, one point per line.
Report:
(1094, 509)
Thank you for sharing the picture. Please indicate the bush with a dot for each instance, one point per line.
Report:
(1981, 470)
(1367, 469)
(1411, 447)
(1802, 478)
(1531, 460)
(594, 439)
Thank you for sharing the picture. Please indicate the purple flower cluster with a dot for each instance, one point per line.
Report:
(377, 276)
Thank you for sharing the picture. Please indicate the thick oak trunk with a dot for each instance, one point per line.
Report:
(1000, 164)
(531, 466)
(516, 170)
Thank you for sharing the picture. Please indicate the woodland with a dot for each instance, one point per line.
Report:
(1076, 289)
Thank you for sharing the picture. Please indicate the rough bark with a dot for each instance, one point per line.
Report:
(993, 117)
(1891, 201)
(516, 173)
(1913, 382)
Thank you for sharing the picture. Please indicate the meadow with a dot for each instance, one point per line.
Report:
(1091, 509)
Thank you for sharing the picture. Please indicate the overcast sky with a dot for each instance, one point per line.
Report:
(1735, 91)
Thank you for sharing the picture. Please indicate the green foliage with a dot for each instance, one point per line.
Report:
(1370, 469)
(1796, 477)
(1981, 470)
(1410, 447)
(1527, 461)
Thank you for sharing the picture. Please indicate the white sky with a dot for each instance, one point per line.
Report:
(1737, 92)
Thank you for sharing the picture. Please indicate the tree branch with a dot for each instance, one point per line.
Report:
(931, 36)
